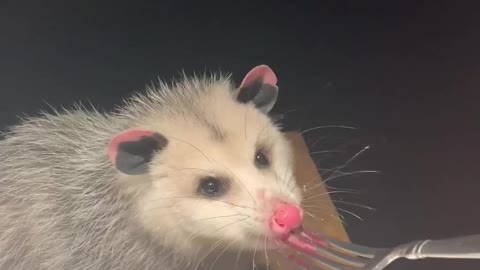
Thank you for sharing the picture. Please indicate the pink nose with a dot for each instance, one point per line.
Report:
(286, 217)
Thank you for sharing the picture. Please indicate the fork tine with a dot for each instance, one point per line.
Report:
(299, 261)
(345, 261)
(324, 263)
(338, 256)
(329, 264)
(349, 248)
(352, 249)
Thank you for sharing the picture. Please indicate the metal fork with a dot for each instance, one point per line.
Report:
(347, 256)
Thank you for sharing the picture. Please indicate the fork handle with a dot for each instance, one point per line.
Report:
(465, 247)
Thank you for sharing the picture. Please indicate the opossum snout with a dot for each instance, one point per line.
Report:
(286, 218)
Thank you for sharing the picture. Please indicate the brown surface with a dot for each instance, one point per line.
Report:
(324, 217)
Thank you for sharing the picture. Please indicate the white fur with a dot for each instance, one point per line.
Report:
(63, 205)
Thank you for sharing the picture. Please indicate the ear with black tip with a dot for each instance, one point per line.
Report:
(260, 87)
(132, 150)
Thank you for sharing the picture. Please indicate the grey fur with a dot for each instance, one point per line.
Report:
(60, 204)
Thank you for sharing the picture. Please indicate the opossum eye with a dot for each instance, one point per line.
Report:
(261, 160)
(211, 187)
(260, 87)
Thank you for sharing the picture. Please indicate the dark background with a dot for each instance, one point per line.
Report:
(404, 72)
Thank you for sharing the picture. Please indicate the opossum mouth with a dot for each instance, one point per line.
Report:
(298, 239)
(304, 241)
(288, 239)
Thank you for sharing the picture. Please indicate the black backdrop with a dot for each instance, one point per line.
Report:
(405, 72)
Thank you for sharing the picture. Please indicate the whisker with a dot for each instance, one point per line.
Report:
(347, 174)
(208, 199)
(209, 218)
(266, 254)
(351, 213)
(354, 157)
(329, 170)
(193, 146)
(314, 180)
(213, 248)
(318, 178)
(223, 227)
(291, 183)
(240, 251)
(352, 191)
(309, 189)
(311, 146)
(285, 176)
(221, 253)
(277, 118)
(278, 185)
(254, 256)
(196, 234)
(262, 130)
(323, 127)
(287, 112)
(340, 209)
(355, 204)
(325, 151)
(321, 219)
(193, 235)
(324, 194)
(238, 256)
(323, 183)
(318, 182)
(197, 169)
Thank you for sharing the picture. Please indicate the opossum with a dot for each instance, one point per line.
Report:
(177, 172)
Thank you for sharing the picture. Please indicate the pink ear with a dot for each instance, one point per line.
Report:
(261, 73)
(131, 135)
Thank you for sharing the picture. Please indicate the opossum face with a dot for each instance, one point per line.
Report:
(224, 173)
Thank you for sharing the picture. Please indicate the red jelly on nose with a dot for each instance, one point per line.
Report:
(286, 217)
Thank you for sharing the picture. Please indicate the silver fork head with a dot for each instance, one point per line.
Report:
(385, 257)
(334, 254)
(338, 255)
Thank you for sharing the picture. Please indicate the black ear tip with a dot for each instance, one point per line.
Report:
(133, 157)
(263, 95)
(248, 93)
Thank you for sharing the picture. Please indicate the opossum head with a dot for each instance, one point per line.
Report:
(211, 164)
